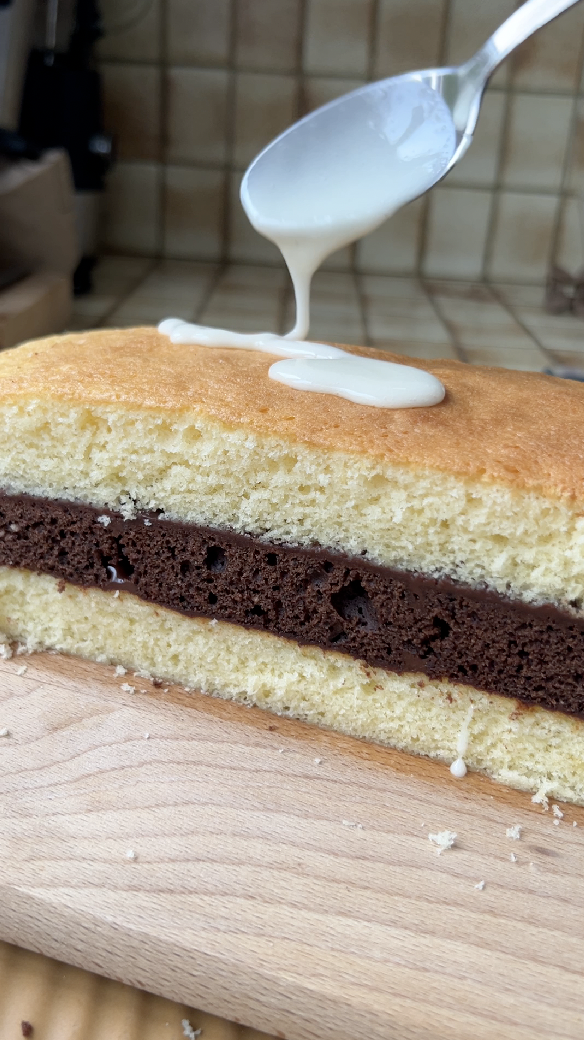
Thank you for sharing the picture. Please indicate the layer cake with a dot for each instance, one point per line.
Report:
(172, 509)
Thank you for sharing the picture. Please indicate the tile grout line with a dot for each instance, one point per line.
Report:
(228, 164)
(208, 295)
(448, 326)
(263, 71)
(163, 15)
(154, 263)
(424, 220)
(563, 194)
(519, 321)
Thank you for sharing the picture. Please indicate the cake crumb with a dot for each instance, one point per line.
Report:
(541, 796)
(514, 832)
(574, 823)
(142, 675)
(5, 648)
(443, 841)
(480, 885)
(22, 669)
(355, 826)
(557, 823)
(146, 736)
(127, 688)
(147, 523)
(120, 670)
(557, 812)
(26, 1028)
(130, 854)
(188, 1032)
(317, 761)
(213, 622)
(513, 857)
(117, 594)
(4, 732)
(104, 520)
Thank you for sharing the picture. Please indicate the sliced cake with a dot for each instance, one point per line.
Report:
(401, 575)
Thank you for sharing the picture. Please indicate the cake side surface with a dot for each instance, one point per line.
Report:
(191, 468)
(520, 429)
(524, 748)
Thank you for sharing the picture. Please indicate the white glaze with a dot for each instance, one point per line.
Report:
(362, 380)
(322, 369)
(324, 183)
(266, 342)
(343, 170)
(458, 767)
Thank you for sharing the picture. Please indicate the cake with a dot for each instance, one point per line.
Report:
(403, 575)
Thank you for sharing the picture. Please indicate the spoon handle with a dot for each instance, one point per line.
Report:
(521, 24)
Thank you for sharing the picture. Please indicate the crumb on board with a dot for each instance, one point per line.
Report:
(514, 832)
(22, 669)
(26, 1028)
(480, 885)
(130, 854)
(140, 674)
(557, 823)
(350, 823)
(317, 761)
(127, 688)
(443, 840)
(574, 823)
(557, 812)
(541, 795)
(120, 670)
(188, 1032)
(5, 648)
(146, 736)
(513, 857)
(4, 732)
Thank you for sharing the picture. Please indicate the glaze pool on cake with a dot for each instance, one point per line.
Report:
(372, 570)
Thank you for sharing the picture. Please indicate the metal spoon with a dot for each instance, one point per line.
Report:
(347, 130)
(462, 87)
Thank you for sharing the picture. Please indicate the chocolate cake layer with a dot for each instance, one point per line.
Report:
(389, 618)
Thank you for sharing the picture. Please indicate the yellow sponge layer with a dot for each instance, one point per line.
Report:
(526, 749)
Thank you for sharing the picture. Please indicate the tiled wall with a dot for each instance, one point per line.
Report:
(194, 88)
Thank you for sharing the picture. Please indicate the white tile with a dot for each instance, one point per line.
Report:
(458, 221)
(194, 212)
(247, 301)
(131, 100)
(264, 106)
(400, 43)
(536, 141)
(132, 208)
(550, 59)
(197, 115)
(140, 41)
(198, 31)
(267, 35)
(523, 226)
(336, 37)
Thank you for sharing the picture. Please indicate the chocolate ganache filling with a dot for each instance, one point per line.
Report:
(388, 618)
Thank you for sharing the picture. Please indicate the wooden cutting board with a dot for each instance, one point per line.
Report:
(283, 875)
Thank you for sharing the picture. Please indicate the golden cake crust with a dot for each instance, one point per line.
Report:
(517, 428)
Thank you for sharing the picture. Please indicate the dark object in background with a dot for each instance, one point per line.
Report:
(564, 294)
(26, 1029)
(62, 108)
(13, 146)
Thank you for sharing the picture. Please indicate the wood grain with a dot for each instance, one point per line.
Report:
(254, 895)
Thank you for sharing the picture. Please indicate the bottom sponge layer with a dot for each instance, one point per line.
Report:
(528, 748)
